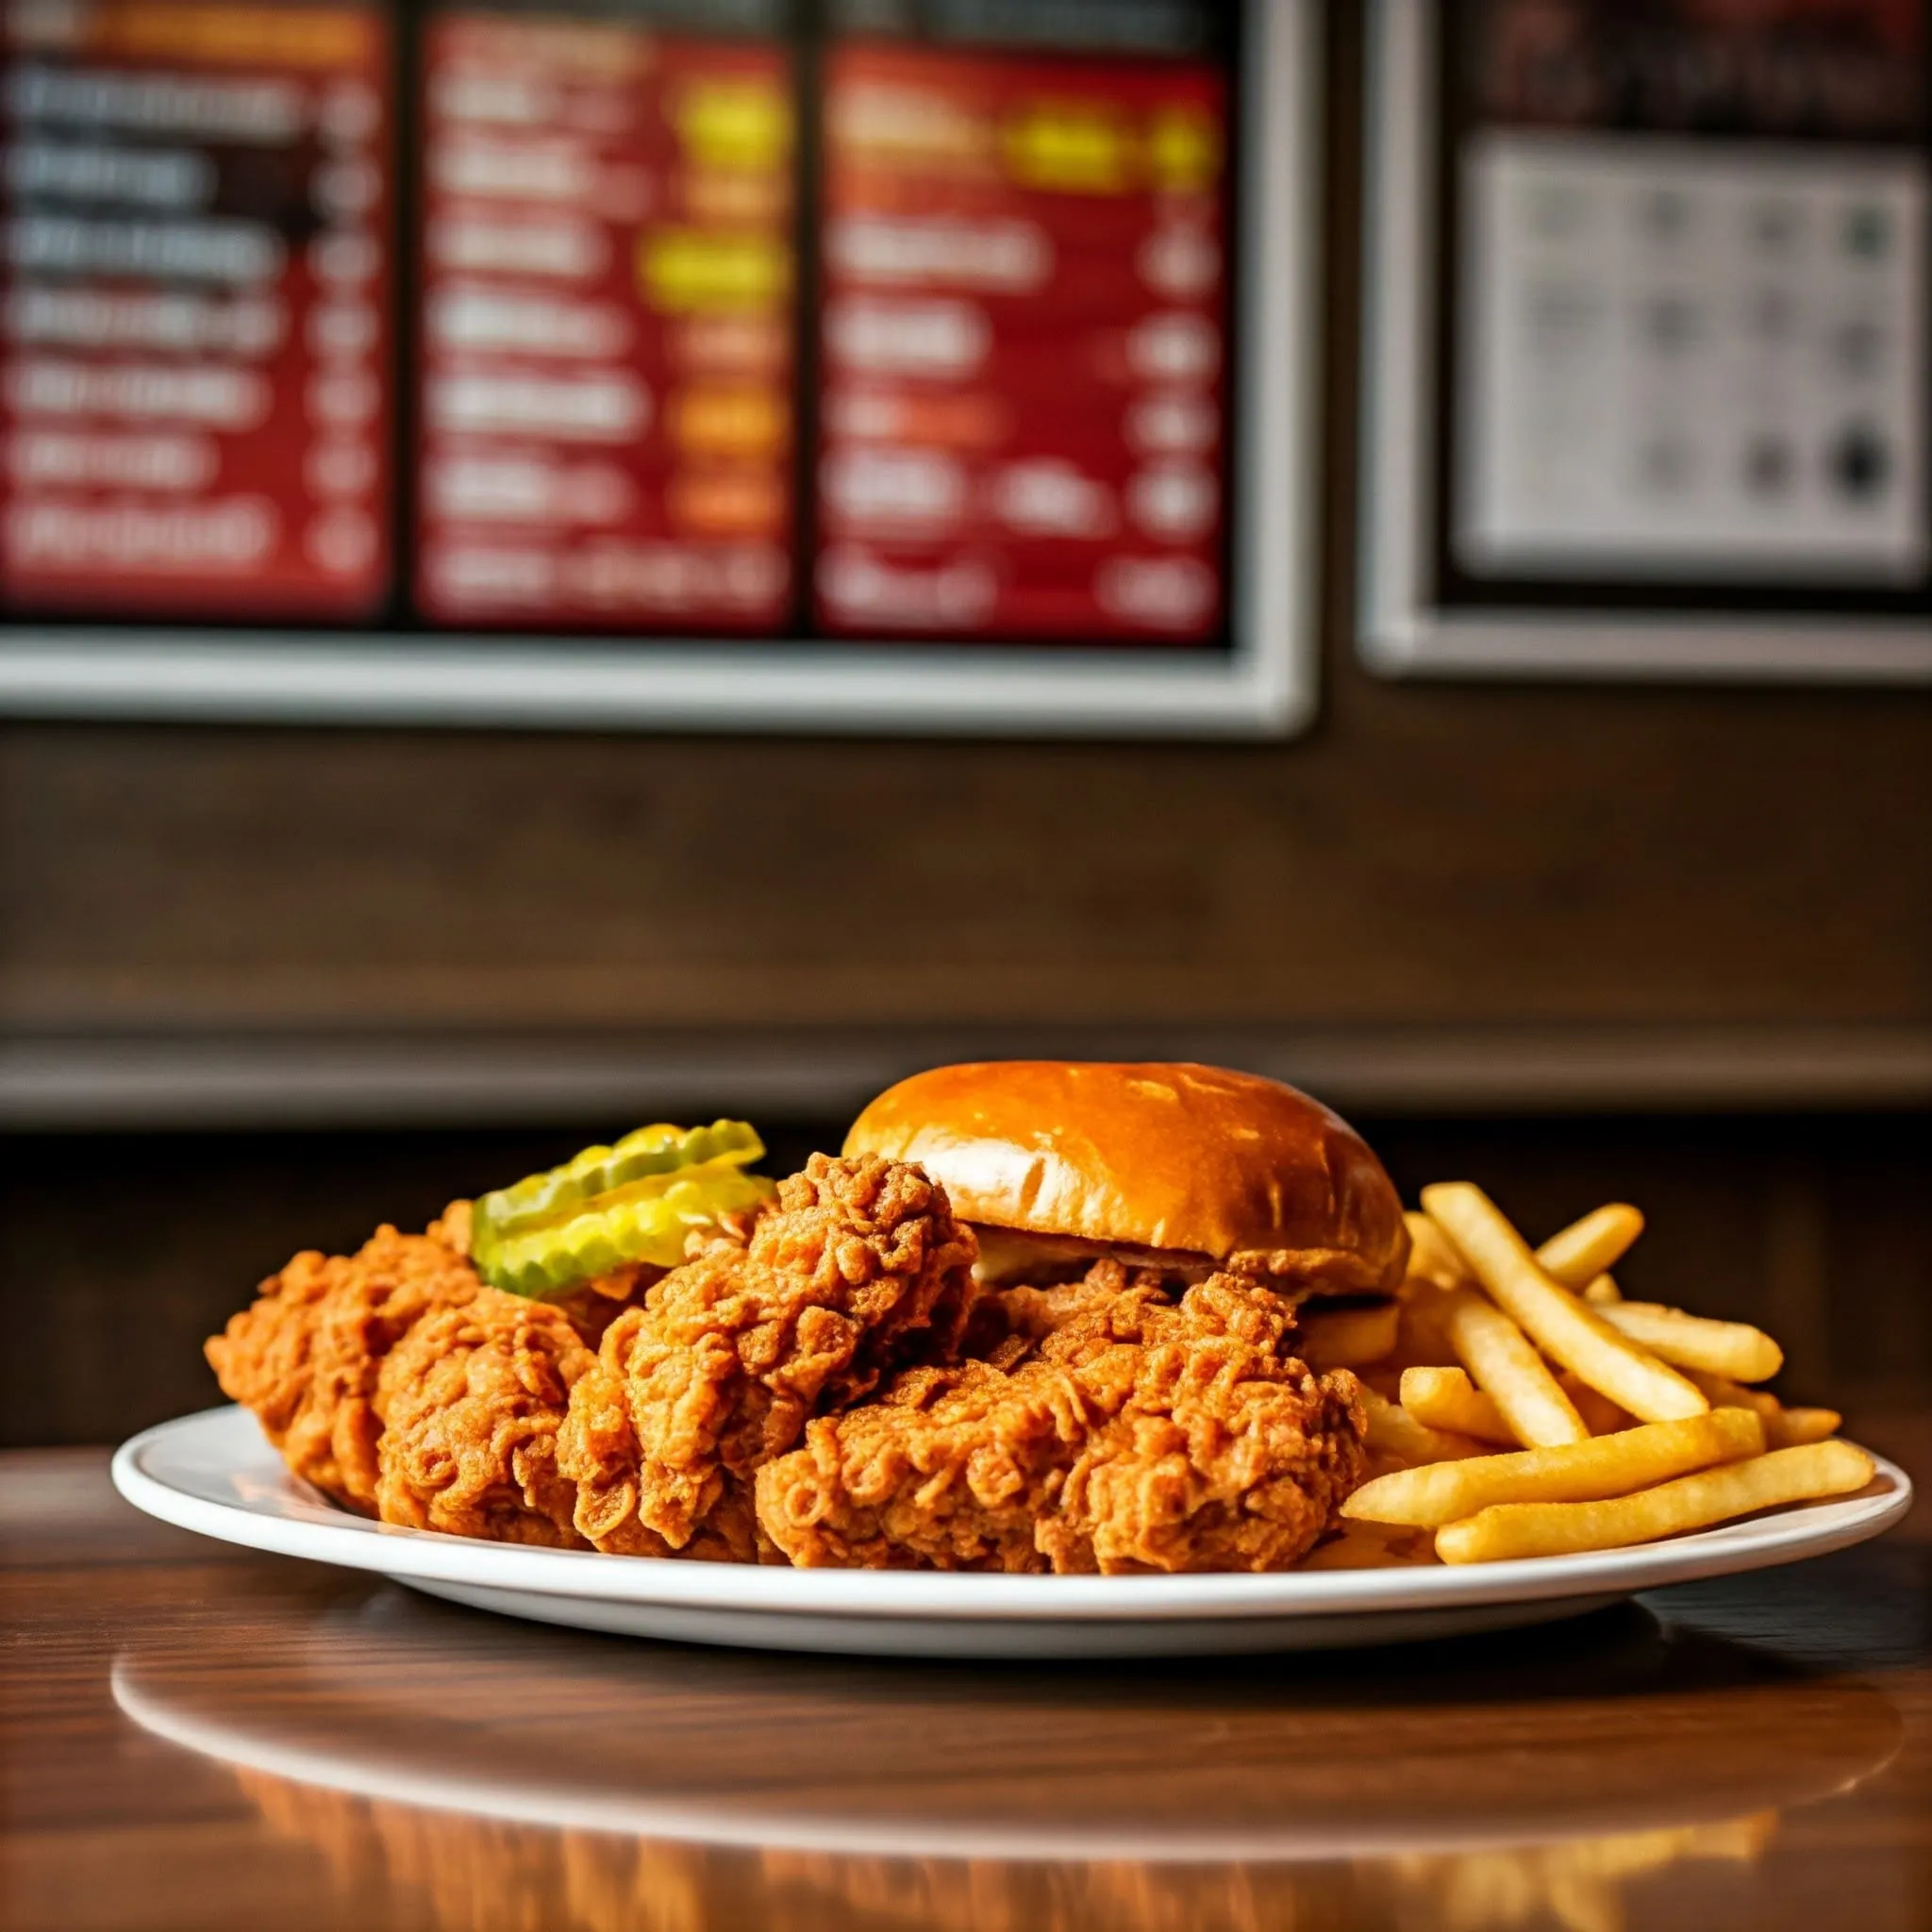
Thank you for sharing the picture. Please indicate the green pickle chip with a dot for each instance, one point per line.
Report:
(637, 1201)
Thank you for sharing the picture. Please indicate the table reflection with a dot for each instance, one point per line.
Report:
(502, 1878)
(500, 1777)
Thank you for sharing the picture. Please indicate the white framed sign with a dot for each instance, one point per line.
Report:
(942, 366)
(1646, 342)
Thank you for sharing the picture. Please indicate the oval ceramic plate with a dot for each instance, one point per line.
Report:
(215, 1474)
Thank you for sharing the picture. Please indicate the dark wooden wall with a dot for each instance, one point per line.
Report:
(1431, 853)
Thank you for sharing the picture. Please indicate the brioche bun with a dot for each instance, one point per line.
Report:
(1165, 1162)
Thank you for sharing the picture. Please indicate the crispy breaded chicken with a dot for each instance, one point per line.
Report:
(471, 1401)
(1009, 1323)
(1138, 1435)
(306, 1355)
(859, 1270)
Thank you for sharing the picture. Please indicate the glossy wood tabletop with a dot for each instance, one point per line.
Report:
(197, 1737)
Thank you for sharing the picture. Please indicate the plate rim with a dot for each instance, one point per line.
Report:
(357, 1544)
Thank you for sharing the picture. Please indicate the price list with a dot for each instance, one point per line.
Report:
(196, 352)
(1690, 310)
(1024, 348)
(606, 434)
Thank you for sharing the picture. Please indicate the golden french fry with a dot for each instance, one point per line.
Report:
(1447, 1399)
(1573, 1472)
(1371, 1546)
(1604, 1288)
(1783, 1428)
(1692, 1502)
(1601, 1416)
(1724, 1393)
(1347, 1338)
(1791, 1427)
(1583, 1250)
(1423, 1336)
(1503, 1364)
(1566, 1330)
(1432, 1256)
(1393, 1432)
(1733, 1349)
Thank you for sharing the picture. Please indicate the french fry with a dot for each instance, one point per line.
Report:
(1724, 1393)
(1601, 1416)
(1394, 1433)
(1604, 1288)
(1508, 1530)
(1371, 1546)
(1733, 1349)
(1432, 1256)
(1783, 1428)
(1573, 1472)
(1791, 1427)
(1505, 1365)
(1447, 1399)
(1582, 1251)
(1568, 1330)
(1347, 1338)
(1423, 1336)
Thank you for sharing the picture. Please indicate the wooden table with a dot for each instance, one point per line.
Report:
(196, 1736)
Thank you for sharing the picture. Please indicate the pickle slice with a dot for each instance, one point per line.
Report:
(653, 1150)
(638, 1201)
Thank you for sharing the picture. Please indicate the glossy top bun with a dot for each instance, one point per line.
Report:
(1190, 1160)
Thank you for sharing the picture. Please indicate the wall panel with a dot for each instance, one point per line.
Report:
(1432, 859)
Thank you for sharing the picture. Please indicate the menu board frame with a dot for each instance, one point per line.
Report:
(1404, 628)
(1262, 685)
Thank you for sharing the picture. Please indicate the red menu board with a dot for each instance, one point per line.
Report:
(1023, 340)
(197, 347)
(606, 416)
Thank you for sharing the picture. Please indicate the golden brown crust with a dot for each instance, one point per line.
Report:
(859, 1270)
(471, 1401)
(1153, 1155)
(1141, 1436)
(306, 1355)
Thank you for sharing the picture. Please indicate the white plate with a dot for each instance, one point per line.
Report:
(213, 1473)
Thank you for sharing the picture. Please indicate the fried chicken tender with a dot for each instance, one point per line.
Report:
(859, 1270)
(1139, 1436)
(470, 1402)
(1009, 1325)
(306, 1354)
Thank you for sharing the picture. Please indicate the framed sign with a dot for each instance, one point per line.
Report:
(739, 364)
(1648, 339)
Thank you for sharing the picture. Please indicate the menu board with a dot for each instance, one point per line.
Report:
(1692, 331)
(608, 344)
(793, 364)
(197, 349)
(1023, 340)
(1693, 360)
